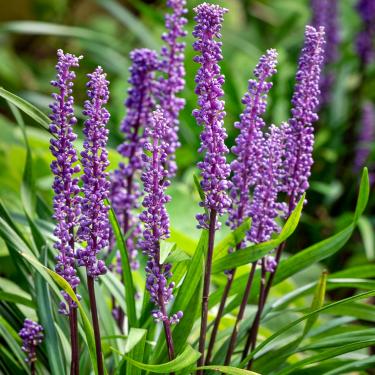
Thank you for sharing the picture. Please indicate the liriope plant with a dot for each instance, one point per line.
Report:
(177, 308)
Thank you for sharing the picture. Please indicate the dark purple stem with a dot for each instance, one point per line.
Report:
(206, 288)
(233, 338)
(95, 323)
(219, 315)
(74, 366)
(253, 332)
(32, 368)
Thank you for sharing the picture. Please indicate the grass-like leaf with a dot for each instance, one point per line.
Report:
(182, 361)
(126, 270)
(27, 108)
(255, 252)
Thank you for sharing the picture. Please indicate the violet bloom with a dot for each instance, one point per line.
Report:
(365, 39)
(249, 143)
(94, 225)
(265, 208)
(300, 134)
(325, 13)
(66, 202)
(125, 190)
(366, 136)
(32, 336)
(172, 82)
(155, 216)
(214, 168)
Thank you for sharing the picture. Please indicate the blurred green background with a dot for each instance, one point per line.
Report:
(105, 31)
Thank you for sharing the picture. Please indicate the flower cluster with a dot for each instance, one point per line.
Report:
(172, 82)
(249, 143)
(300, 134)
(214, 168)
(32, 336)
(155, 216)
(365, 39)
(325, 13)
(94, 225)
(66, 202)
(125, 190)
(265, 208)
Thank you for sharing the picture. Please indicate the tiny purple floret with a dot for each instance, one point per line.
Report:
(32, 336)
(66, 201)
(94, 224)
(214, 168)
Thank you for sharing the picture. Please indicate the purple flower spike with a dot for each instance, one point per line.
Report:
(366, 136)
(264, 207)
(172, 83)
(125, 190)
(325, 13)
(32, 336)
(214, 168)
(365, 39)
(155, 216)
(94, 225)
(249, 142)
(300, 135)
(66, 202)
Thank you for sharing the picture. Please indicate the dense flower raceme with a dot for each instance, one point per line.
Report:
(265, 207)
(172, 82)
(94, 225)
(365, 39)
(249, 143)
(32, 336)
(366, 136)
(214, 168)
(66, 202)
(300, 134)
(125, 190)
(155, 216)
(325, 13)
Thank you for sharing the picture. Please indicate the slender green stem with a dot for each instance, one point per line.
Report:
(206, 288)
(95, 323)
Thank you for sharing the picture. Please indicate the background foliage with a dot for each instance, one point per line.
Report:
(105, 31)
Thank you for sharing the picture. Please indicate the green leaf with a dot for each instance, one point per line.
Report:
(14, 298)
(185, 359)
(232, 239)
(326, 354)
(367, 233)
(363, 195)
(228, 370)
(130, 21)
(356, 365)
(26, 107)
(313, 254)
(317, 302)
(187, 300)
(9, 335)
(255, 252)
(47, 28)
(126, 270)
(28, 184)
(63, 284)
(135, 346)
(46, 317)
(305, 317)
